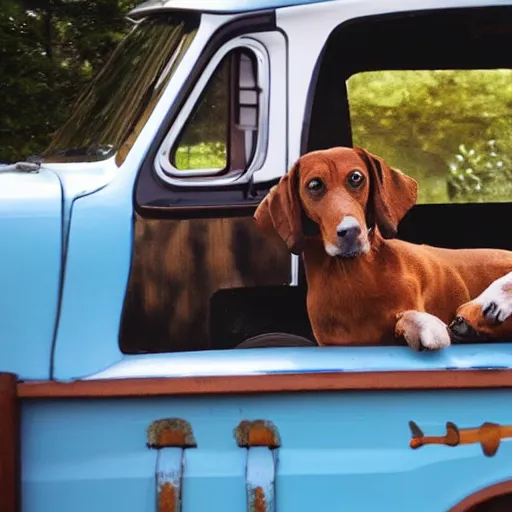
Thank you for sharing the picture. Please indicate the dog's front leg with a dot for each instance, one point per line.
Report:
(422, 331)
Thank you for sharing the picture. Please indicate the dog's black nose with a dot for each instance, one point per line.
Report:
(349, 232)
(460, 328)
(458, 321)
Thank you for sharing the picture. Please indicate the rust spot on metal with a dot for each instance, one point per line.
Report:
(257, 502)
(171, 432)
(488, 435)
(167, 498)
(257, 433)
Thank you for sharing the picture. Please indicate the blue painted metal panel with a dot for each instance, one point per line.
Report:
(306, 360)
(30, 263)
(98, 263)
(339, 451)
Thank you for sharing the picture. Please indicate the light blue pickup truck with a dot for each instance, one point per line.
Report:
(132, 277)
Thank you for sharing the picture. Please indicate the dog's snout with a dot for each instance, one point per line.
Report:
(458, 321)
(461, 329)
(350, 232)
(348, 228)
(459, 326)
(350, 240)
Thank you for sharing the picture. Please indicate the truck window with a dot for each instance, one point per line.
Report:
(221, 131)
(219, 125)
(111, 112)
(203, 143)
(452, 129)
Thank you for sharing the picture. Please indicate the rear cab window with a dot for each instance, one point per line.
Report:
(452, 129)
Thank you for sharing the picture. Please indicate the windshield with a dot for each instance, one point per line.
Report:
(113, 109)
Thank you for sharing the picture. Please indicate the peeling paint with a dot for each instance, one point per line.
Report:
(488, 435)
(168, 501)
(257, 433)
(170, 437)
(261, 438)
(257, 501)
(170, 432)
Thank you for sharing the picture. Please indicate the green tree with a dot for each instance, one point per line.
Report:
(49, 50)
(436, 126)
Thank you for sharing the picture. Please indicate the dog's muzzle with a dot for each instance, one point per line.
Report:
(461, 330)
(348, 233)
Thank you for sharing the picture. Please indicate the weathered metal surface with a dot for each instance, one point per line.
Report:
(261, 439)
(170, 437)
(349, 466)
(488, 435)
(170, 432)
(257, 433)
(260, 479)
(169, 474)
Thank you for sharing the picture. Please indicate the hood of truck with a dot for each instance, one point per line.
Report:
(30, 270)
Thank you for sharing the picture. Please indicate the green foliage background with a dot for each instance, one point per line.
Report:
(451, 130)
(49, 50)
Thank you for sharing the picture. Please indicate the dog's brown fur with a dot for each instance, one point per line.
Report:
(356, 300)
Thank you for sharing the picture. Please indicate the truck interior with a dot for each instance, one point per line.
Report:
(211, 283)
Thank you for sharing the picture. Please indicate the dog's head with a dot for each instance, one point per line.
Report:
(345, 192)
(488, 316)
(470, 324)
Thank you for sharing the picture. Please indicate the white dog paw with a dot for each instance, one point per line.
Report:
(496, 300)
(422, 331)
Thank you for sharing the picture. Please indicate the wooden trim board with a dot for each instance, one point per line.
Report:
(10, 452)
(273, 383)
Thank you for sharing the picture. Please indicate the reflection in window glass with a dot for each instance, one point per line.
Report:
(112, 111)
(203, 142)
(450, 130)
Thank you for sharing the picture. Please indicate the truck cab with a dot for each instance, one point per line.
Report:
(134, 280)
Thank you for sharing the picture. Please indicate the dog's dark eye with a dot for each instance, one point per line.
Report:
(315, 185)
(355, 179)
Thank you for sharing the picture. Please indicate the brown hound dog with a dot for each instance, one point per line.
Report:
(364, 287)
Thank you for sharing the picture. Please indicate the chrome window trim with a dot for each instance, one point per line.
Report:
(194, 178)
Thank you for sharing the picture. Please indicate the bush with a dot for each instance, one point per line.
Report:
(480, 175)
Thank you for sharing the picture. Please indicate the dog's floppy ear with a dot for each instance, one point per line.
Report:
(392, 193)
(281, 210)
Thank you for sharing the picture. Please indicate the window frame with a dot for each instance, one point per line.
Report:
(163, 166)
(343, 129)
